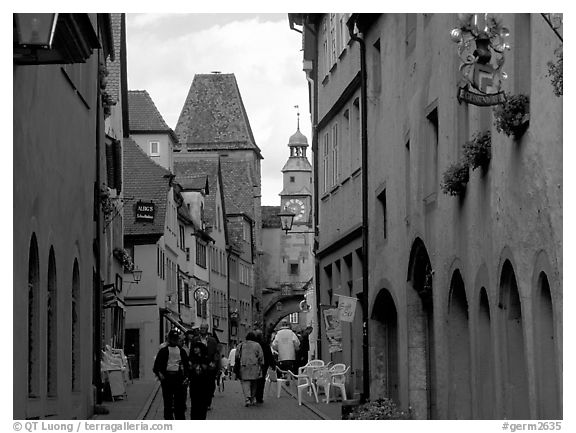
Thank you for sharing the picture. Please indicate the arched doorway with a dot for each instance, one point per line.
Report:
(278, 308)
(33, 320)
(420, 315)
(484, 360)
(546, 362)
(459, 389)
(385, 337)
(52, 328)
(513, 360)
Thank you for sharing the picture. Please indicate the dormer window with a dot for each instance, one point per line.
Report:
(154, 148)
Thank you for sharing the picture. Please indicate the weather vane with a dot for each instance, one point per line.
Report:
(298, 116)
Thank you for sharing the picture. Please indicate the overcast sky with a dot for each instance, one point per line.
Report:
(165, 51)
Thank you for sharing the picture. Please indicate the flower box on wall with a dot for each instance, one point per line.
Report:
(455, 179)
(478, 151)
(513, 116)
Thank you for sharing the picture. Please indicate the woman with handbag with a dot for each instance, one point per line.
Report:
(248, 365)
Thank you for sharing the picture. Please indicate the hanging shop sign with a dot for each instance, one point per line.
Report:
(481, 47)
(145, 211)
(333, 330)
(201, 293)
(346, 308)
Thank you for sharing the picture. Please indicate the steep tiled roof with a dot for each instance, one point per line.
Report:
(297, 164)
(270, 218)
(194, 183)
(214, 117)
(144, 116)
(238, 187)
(113, 67)
(146, 181)
(189, 170)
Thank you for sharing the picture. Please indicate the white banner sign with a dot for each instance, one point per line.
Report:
(346, 308)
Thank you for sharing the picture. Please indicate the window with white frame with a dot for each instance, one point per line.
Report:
(154, 148)
(325, 47)
(326, 160)
(333, 39)
(335, 170)
(344, 33)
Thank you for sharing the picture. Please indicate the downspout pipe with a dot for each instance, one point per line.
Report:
(356, 36)
(312, 78)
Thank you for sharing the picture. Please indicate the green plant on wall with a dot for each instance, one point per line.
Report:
(455, 178)
(382, 408)
(478, 151)
(511, 117)
(555, 72)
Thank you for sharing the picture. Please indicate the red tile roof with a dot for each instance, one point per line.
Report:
(270, 218)
(144, 116)
(114, 67)
(188, 170)
(239, 189)
(214, 117)
(144, 180)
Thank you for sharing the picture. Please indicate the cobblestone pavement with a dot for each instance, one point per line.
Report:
(229, 405)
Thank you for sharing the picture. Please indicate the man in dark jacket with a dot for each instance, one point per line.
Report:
(171, 367)
(268, 362)
(213, 356)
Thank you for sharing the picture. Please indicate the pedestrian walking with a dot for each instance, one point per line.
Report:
(286, 343)
(200, 381)
(304, 337)
(171, 368)
(268, 363)
(248, 365)
(213, 355)
(231, 362)
(222, 373)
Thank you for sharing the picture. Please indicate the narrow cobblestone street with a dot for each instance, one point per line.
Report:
(229, 405)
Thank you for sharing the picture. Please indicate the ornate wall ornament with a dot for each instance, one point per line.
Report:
(481, 40)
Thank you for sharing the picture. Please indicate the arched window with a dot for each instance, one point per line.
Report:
(459, 392)
(485, 360)
(421, 354)
(386, 344)
(33, 320)
(75, 327)
(514, 372)
(546, 360)
(51, 328)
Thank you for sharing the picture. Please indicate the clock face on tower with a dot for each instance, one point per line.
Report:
(296, 206)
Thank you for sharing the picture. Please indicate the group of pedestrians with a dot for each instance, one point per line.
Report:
(191, 364)
(195, 364)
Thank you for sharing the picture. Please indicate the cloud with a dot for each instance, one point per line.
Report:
(266, 58)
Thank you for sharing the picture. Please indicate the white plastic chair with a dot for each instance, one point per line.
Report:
(272, 377)
(305, 382)
(336, 377)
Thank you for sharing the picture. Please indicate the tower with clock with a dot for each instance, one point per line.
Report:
(297, 189)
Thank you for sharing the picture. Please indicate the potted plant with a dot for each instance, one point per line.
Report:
(106, 202)
(478, 151)
(125, 258)
(455, 178)
(512, 116)
(380, 409)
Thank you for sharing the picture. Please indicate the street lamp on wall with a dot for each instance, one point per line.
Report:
(287, 220)
(34, 30)
(137, 275)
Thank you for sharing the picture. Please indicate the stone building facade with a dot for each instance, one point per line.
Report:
(61, 257)
(464, 306)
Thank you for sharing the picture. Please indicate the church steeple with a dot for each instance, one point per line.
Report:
(298, 142)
